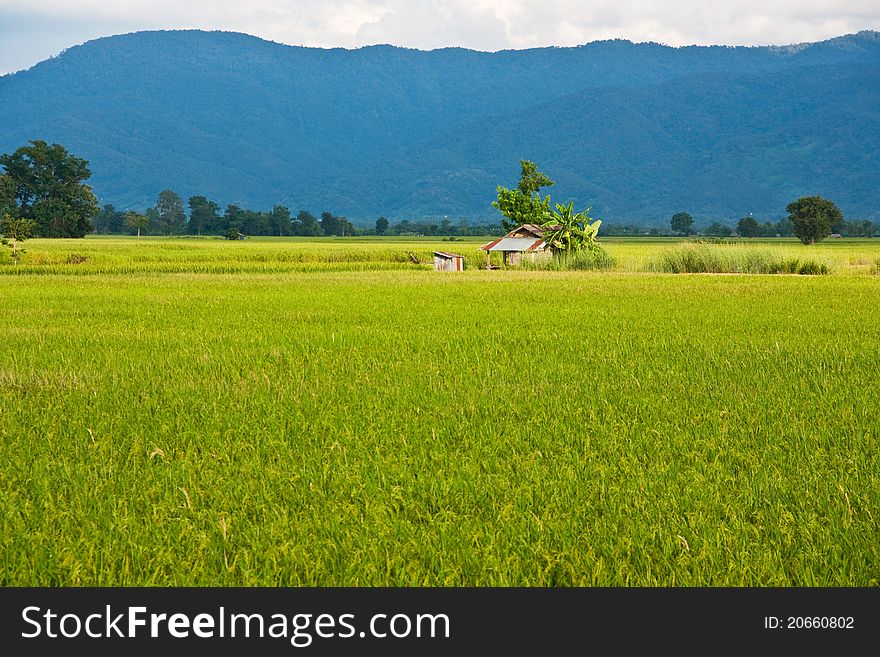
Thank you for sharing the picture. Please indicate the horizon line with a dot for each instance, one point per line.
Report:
(799, 45)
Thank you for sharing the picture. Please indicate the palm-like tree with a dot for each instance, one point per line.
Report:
(567, 231)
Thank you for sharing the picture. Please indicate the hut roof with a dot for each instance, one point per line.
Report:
(531, 229)
(449, 256)
(514, 244)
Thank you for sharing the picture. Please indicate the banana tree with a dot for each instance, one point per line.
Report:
(567, 231)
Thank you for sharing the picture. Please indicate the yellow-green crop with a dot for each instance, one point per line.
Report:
(405, 427)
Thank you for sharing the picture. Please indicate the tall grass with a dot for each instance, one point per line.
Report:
(587, 260)
(699, 258)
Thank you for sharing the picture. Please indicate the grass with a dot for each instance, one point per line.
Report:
(586, 260)
(402, 427)
(738, 258)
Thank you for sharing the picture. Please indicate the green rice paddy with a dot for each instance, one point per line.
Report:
(282, 412)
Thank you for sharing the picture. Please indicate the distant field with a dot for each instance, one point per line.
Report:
(273, 412)
(119, 255)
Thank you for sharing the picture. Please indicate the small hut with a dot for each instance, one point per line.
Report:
(448, 261)
(523, 242)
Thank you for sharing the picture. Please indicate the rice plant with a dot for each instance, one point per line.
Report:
(166, 421)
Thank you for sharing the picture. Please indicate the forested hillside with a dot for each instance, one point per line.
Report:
(638, 131)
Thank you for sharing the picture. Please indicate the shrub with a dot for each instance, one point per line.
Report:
(813, 268)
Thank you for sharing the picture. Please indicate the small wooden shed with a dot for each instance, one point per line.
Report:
(448, 261)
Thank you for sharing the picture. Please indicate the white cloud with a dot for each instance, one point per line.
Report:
(35, 30)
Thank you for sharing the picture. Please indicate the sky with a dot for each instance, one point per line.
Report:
(34, 30)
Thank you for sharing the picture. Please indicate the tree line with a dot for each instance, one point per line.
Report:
(810, 219)
(747, 227)
(169, 217)
(43, 192)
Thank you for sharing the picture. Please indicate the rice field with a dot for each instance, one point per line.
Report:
(282, 412)
(155, 255)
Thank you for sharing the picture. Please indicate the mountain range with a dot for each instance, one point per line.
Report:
(637, 131)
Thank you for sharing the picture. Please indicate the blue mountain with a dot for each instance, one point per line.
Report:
(637, 131)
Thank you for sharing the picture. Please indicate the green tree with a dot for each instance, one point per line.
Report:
(812, 218)
(110, 220)
(8, 204)
(839, 225)
(49, 189)
(531, 180)
(172, 218)
(232, 217)
(747, 227)
(306, 225)
(381, 226)
(253, 223)
(137, 221)
(784, 227)
(152, 219)
(567, 232)
(204, 215)
(718, 230)
(524, 204)
(681, 223)
(333, 225)
(14, 231)
(279, 221)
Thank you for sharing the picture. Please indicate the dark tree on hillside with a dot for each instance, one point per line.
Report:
(253, 223)
(718, 230)
(49, 188)
(330, 224)
(110, 220)
(681, 223)
(333, 225)
(231, 218)
(813, 218)
(8, 205)
(152, 215)
(172, 218)
(306, 225)
(784, 227)
(381, 226)
(747, 227)
(204, 216)
(279, 221)
(767, 229)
